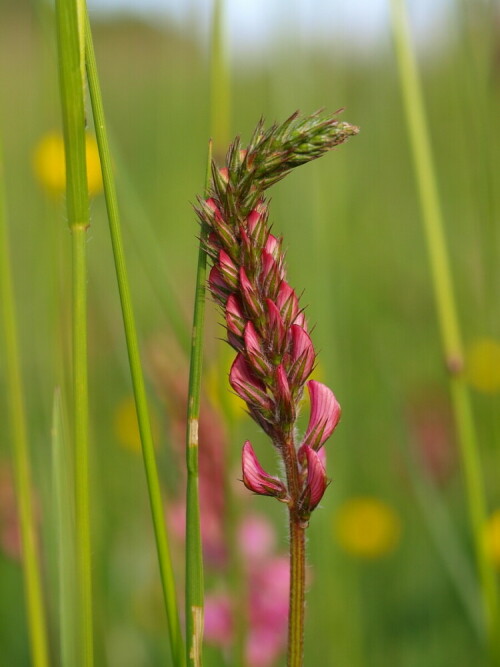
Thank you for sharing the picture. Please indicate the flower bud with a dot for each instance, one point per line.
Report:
(256, 479)
(316, 481)
(285, 402)
(248, 387)
(302, 356)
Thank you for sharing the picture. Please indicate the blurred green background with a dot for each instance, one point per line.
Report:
(398, 587)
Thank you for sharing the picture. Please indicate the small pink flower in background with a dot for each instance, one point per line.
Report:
(267, 582)
(10, 537)
(170, 373)
(256, 538)
(10, 532)
(268, 621)
(218, 619)
(431, 427)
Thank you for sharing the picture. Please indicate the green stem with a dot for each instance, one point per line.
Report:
(69, 17)
(194, 555)
(445, 305)
(22, 467)
(155, 498)
(220, 96)
(64, 520)
(80, 412)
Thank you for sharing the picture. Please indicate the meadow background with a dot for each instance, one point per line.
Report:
(393, 579)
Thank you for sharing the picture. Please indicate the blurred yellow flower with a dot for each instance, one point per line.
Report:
(126, 427)
(367, 528)
(492, 537)
(49, 164)
(482, 365)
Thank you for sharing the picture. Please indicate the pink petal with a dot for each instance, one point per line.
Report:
(272, 246)
(218, 286)
(214, 208)
(316, 482)
(276, 327)
(256, 479)
(253, 220)
(284, 395)
(324, 417)
(287, 303)
(249, 294)
(247, 386)
(253, 348)
(228, 269)
(235, 319)
(302, 356)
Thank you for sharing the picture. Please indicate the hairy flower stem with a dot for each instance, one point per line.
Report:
(296, 612)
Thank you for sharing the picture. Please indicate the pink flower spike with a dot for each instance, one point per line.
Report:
(303, 356)
(256, 479)
(218, 285)
(247, 386)
(324, 417)
(275, 327)
(316, 482)
(235, 319)
(224, 172)
(253, 349)
(287, 303)
(249, 295)
(285, 402)
(253, 220)
(214, 208)
(227, 269)
(272, 246)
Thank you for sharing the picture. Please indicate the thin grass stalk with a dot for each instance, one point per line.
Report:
(71, 70)
(155, 497)
(32, 571)
(194, 554)
(446, 308)
(220, 95)
(64, 519)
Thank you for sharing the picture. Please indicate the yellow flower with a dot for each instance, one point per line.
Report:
(482, 365)
(126, 427)
(367, 528)
(492, 537)
(50, 168)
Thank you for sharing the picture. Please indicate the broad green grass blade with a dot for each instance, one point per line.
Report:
(19, 434)
(69, 17)
(155, 497)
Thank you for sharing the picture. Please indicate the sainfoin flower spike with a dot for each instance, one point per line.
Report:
(265, 323)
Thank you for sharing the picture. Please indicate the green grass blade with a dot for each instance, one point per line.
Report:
(70, 51)
(22, 467)
(64, 523)
(446, 308)
(156, 502)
